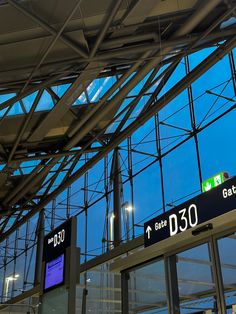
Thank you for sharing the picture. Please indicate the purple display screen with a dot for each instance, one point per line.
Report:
(54, 272)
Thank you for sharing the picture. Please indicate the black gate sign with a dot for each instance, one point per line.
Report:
(190, 214)
(57, 241)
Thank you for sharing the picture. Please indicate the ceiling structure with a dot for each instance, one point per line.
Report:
(67, 68)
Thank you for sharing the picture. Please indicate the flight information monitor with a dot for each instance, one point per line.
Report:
(54, 272)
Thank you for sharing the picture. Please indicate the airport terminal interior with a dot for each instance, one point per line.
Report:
(117, 156)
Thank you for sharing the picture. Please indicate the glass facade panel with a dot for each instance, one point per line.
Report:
(99, 291)
(147, 289)
(227, 253)
(180, 171)
(55, 301)
(196, 291)
(215, 150)
(195, 281)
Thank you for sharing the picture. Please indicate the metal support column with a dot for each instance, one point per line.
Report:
(159, 152)
(124, 292)
(68, 209)
(233, 70)
(193, 120)
(4, 296)
(27, 243)
(172, 284)
(217, 275)
(84, 300)
(85, 290)
(39, 251)
(53, 214)
(130, 169)
(106, 189)
(14, 262)
(117, 183)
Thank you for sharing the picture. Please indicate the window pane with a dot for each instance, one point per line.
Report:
(147, 289)
(195, 281)
(227, 255)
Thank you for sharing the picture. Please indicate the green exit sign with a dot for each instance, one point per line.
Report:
(214, 181)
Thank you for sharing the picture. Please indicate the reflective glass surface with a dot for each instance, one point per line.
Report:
(147, 289)
(195, 281)
(100, 290)
(227, 254)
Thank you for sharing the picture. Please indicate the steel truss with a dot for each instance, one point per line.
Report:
(86, 144)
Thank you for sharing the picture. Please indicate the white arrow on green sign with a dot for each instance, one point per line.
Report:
(214, 181)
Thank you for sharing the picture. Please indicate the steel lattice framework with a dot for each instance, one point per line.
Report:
(125, 40)
(77, 80)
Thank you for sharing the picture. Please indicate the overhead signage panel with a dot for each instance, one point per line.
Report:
(192, 213)
(57, 241)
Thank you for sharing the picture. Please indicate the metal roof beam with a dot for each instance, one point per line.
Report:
(102, 101)
(188, 26)
(97, 115)
(163, 79)
(165, 99)
(91, 119)
(52, 155)
(52, 44)
(104, 29)
(64, 104)
(138, 12)
(66, 40)
(25, 125)
(32, 89)
(182, 42)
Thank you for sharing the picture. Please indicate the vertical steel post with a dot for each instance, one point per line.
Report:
(131, 180)
(85, 290)
(86, 210)
(68, 202)
(39, 249)
(3, 299)
(84, 300)
(73, 268)
(117, 181)
(26, 254)
(53, 214)
(125, 292)
(14, 262)
(217, 275)
(106, 189)
(233, 70)
(172, 284)
(193, 121)
(158, 147)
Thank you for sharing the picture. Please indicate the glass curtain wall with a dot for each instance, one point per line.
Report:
(227, 254)
(196, 284)
(147, 291)
(162, 164)
(202, 280)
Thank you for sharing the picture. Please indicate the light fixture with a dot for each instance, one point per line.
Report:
(7, 282)
(12, 278)
(128, 207)
(112, 218)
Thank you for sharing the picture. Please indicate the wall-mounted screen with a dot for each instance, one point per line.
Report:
(54, 272)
